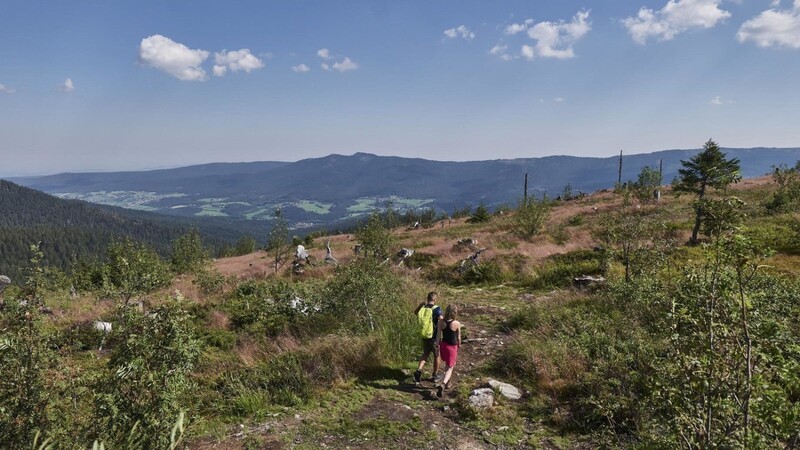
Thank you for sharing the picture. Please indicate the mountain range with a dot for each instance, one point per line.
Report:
(335, 188)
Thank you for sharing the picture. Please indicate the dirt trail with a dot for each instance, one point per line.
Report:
(386, 410)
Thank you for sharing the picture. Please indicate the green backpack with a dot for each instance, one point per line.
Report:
(425, 316)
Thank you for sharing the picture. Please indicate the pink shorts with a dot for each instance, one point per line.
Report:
(449, 353)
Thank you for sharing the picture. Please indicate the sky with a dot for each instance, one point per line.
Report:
(99, 86)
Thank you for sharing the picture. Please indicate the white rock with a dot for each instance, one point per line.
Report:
(482, 398)
(506, 390)
(105, 327)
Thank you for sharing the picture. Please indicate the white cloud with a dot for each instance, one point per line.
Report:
(498, 49)
(460, 31)
(559, 99)
(717, 101)
(555, 39)
(773, 27)
(345, 65)
(6, 90)
(301, 68)
(515, 28)
(676, 17)
(67, 86)
(235, 61)
(324, 53)
(527, 52)
(178, 60)
(219, 71)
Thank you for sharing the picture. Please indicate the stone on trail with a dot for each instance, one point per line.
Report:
(482, 398)
(506, 390)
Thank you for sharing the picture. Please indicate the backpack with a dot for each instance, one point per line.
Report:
(425, 316)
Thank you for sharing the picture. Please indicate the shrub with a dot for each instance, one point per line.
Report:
(480, 215)
(559, 270)
(188, 253)
(147, 377)
(530, 217)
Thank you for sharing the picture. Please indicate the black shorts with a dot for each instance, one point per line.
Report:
(428, 346)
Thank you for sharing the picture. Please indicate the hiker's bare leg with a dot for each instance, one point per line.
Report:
(448, 373)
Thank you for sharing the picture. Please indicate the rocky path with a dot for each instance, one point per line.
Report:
(386, 410)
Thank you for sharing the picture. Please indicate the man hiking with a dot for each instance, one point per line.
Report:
(428, 314)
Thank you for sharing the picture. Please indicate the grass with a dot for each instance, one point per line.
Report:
(314, 207)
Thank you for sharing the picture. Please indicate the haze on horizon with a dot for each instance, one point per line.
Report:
(149, 84)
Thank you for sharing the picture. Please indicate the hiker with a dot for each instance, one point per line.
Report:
(450, 331)
(428, 314)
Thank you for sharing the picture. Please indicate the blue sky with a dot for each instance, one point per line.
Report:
(99, 85)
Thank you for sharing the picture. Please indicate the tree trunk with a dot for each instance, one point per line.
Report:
(699, 215)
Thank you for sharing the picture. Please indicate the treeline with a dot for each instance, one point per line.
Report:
(69, 230)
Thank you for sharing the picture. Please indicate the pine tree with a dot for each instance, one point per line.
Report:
(708, 169)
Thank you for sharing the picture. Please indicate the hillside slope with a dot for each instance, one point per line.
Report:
(69, 229)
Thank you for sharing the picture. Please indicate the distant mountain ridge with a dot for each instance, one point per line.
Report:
(329, 189)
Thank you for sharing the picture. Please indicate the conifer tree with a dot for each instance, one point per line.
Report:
(709, 169)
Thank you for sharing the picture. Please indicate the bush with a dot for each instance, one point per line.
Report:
(557, 271)
(188, 253)
(530, 217)
(147, 378)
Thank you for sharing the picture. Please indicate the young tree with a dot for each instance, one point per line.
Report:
(708, 169)
(530, 217)
(133, 269)
(188, 252)
(481, 214)
(374, 237)
(278, 239)
(649, 181)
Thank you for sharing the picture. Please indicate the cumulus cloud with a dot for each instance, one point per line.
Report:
(498, 49)
(515, 28)
(559, 99)
(178, 60)
(6, 90)
(235, 61)
(324, 53)
(67, 86)
(344, 65)
(301, 68)
(527, 52)
(460, 31)
(717, 101)
(676, 17)
(773, 28)
(556, 39)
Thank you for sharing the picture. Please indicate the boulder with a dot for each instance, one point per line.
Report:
(482, 398)
(104, 327)
(588, 281)
(506, 390)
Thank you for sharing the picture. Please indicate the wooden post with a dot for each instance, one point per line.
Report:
(525, 193)
(660, 179)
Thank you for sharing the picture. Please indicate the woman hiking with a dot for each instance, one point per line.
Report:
(450, 331)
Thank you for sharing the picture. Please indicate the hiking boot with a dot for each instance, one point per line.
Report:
(417, 376)
(438, 378)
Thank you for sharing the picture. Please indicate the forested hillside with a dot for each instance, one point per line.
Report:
(71, 229)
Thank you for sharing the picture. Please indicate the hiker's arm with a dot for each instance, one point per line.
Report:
(458, 330)
(416, 311)
(439, 328)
